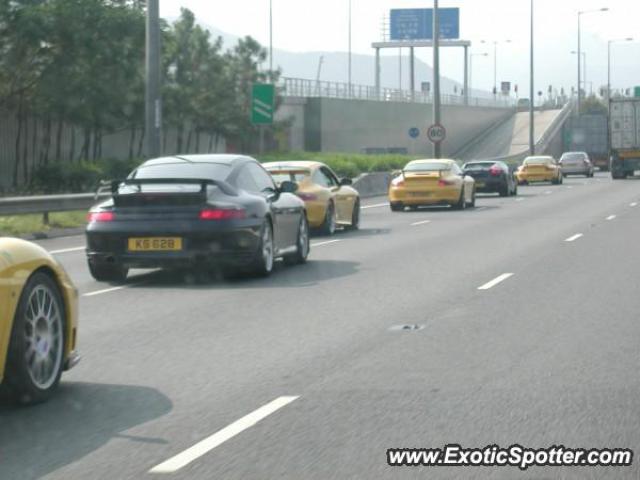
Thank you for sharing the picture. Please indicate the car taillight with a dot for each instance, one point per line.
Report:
(398, 183)
(444, 183)
(100, 217)
(221, 214)
(307, 196)
(495, 171)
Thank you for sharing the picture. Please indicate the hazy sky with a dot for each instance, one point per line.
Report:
(312, 25)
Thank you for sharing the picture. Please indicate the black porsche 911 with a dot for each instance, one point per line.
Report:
(197, 211)
(492, 177)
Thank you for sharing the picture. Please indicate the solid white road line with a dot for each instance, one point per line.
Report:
(319, 244)
(573, 237)
(611, 217)
(495, 281)
(423, 222)
(106, 290)
(633, 204)
(66, 250)
(199, 449)
(377, 205)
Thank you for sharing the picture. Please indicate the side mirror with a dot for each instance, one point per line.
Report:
(287, 186)
(396, 173)
(346, 181)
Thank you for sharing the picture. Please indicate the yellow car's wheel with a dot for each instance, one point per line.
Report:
(355, 217)
(36, 349)
(328, 227)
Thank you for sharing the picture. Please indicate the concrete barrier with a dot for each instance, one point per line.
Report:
(372, 184)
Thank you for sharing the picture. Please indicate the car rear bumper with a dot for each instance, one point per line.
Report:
(427, 196)
(536, 177)
(489, 185)
(236, 245)
(575, 170)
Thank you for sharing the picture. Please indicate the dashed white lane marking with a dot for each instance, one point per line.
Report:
(548, 192)
(633, 204)
(573, 238)
(377, 205)
(495, 281)
(519, 199)
(569, 187)
(106, 290)
(480, 208)
(423, 222)
(328, 242)
(611, 217)
(199, 449)
(67, 250)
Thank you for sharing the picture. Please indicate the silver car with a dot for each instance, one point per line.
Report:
(576, 163)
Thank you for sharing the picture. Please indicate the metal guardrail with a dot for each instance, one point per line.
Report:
(45, 204)
(302, 87)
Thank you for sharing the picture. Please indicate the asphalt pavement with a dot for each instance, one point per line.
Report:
(514, 322)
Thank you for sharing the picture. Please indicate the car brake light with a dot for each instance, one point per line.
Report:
(221, 214)
(495, 171)
(100, 217)
(398, 183)
(444, 183)
(307, 196)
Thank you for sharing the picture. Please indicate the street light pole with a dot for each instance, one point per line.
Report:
(153, 106)
(495, 63)
(436, 74)
(270, 38)
(484, 54)
(350, 83)
(580, 13)
(532, 143)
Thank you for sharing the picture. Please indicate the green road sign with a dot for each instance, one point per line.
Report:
(636, 92)
(262, 103)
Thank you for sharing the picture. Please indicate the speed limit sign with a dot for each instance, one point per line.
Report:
(436, 133)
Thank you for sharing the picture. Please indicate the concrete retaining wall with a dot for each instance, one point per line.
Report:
(354, 125)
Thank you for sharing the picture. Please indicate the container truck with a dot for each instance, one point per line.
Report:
(624, 121)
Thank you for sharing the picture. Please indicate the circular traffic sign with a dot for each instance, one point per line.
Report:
(414, 132)
(436, 133)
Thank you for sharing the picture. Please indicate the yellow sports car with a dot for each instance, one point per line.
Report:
(329, 201)
(539, 169)
(432, 182)
(38, 321)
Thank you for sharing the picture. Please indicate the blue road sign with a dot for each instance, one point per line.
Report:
(414, 132)
(417, 23)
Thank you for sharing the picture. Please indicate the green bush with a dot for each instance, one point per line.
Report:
(346, 164)
(82, 177)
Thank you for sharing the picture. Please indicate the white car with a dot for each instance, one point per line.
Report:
(576, 163)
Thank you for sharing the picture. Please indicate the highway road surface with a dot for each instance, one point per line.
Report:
(526, 332)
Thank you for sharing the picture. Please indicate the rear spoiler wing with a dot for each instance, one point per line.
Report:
(203, 182)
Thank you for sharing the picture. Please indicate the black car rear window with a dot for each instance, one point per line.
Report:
(479, 166)
(213, 171)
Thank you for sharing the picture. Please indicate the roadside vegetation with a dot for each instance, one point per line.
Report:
(17, 225)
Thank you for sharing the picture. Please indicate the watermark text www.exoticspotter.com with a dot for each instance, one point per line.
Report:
(513, 456)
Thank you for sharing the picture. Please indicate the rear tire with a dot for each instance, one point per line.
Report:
(302, 244)
(504, 192)
(461, 204)
(396, 207)
(472, 203)
(108, 273)
(35, 357)
(515, 190)
(328, 226)
(263, 263)
(355, 216)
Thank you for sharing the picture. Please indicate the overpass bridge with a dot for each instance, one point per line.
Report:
(331, 116)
